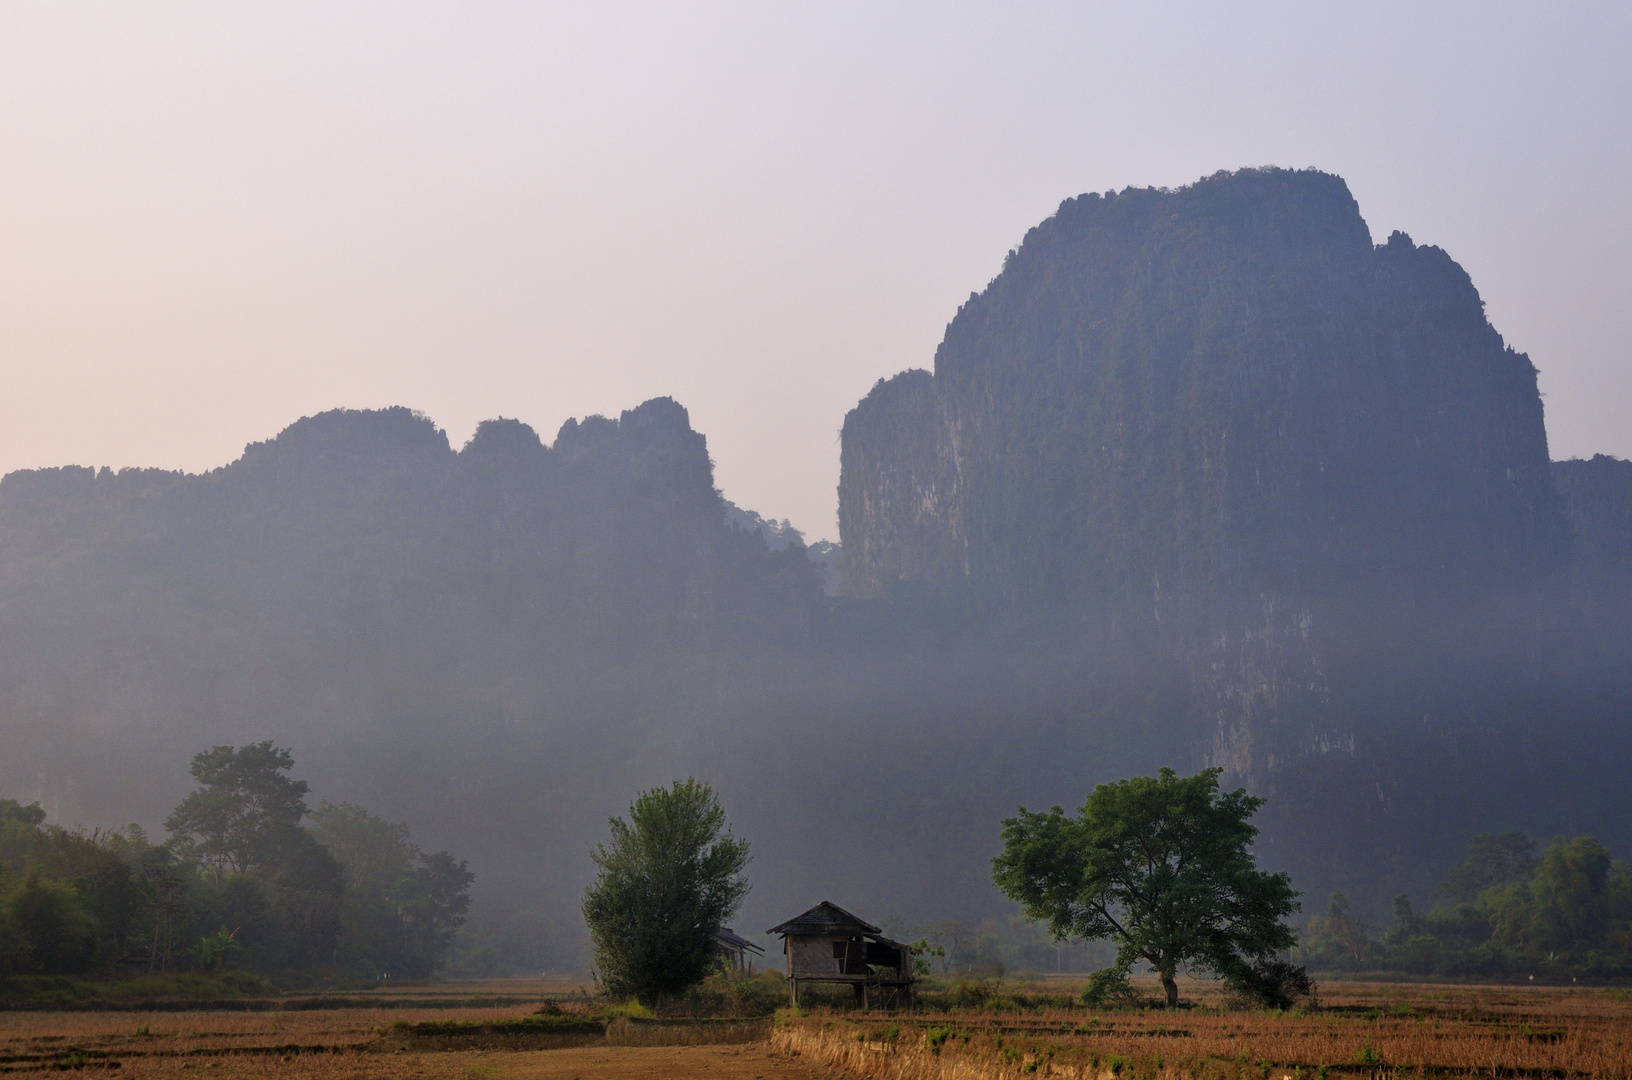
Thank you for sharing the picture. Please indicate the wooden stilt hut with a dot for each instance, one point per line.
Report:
(828, 944)
(735, 951)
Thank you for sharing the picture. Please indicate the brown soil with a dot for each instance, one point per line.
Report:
(1361, 1032)
(333, 1045)
(754, 1062)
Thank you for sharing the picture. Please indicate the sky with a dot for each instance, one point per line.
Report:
(217, 218)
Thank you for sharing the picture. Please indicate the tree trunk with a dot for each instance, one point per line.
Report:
(1172, 989)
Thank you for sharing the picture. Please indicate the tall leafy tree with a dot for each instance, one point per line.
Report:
(1161, 866)
(241, 815)
(1493, 859)
(1575, 897)
(668, 879)
(272, 879)
(55, 933)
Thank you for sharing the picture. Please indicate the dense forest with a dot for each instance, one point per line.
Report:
(1504, 912)
(241, 885)
(1204, 477)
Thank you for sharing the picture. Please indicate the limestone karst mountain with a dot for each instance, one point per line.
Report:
(1216, 431)
(1225, 389)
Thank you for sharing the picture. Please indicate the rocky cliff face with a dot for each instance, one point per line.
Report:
(1225, 390)
(904, 522)
(1596, 496)
(1219, 434)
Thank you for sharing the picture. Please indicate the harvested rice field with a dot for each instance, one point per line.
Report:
(341, 1044)
(1359, 1031)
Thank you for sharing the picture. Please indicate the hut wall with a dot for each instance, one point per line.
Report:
(812, 956)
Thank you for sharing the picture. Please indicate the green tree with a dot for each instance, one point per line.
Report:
(668, 879)
(1493, 859)
(19, 832)
(54, 932)
(241, 814)
(1161, 866)
(403, 906)
(269, 876)
(1568, 906)
(1407, 923)
(214, 950)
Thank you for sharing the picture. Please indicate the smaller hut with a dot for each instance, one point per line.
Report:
(734, 950)
(828, 944)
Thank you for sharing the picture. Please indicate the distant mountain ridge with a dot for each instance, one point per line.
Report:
(357, 589)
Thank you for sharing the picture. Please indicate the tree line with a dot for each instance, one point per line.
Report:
(249, 877)
(1161, 869)
(1159, 866)
(1505, 911)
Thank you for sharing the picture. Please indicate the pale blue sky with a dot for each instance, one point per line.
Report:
(216, 218)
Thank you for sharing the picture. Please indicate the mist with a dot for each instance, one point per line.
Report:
(1331, 557)
(887, 416)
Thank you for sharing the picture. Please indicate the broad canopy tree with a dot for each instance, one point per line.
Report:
(1161, 866)
(352, 890)
(669, 879)
(244, 810)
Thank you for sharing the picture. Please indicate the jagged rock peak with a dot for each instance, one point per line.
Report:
(652, 443)
(504, 440)
(355, 436)
(1224, 387)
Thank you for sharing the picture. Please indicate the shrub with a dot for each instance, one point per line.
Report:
(1109, 986)
(1273, 984)
(632, 1008)
(729, 994)
(967, 994)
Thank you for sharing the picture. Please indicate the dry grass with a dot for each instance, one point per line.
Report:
(337, 1044)
(1410, 1031)
(1360, 1030)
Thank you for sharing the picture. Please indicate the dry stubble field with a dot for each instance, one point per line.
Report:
(1374, 1031)
(1361, 1030)
(334, 1044)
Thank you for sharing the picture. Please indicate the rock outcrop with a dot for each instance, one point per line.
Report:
(1216, 437)
(1596, 496)
(1221, 390)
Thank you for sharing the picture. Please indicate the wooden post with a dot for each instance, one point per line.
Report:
(866, 1005)
(793, 985)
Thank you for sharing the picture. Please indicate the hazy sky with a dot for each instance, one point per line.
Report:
(216, 218)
